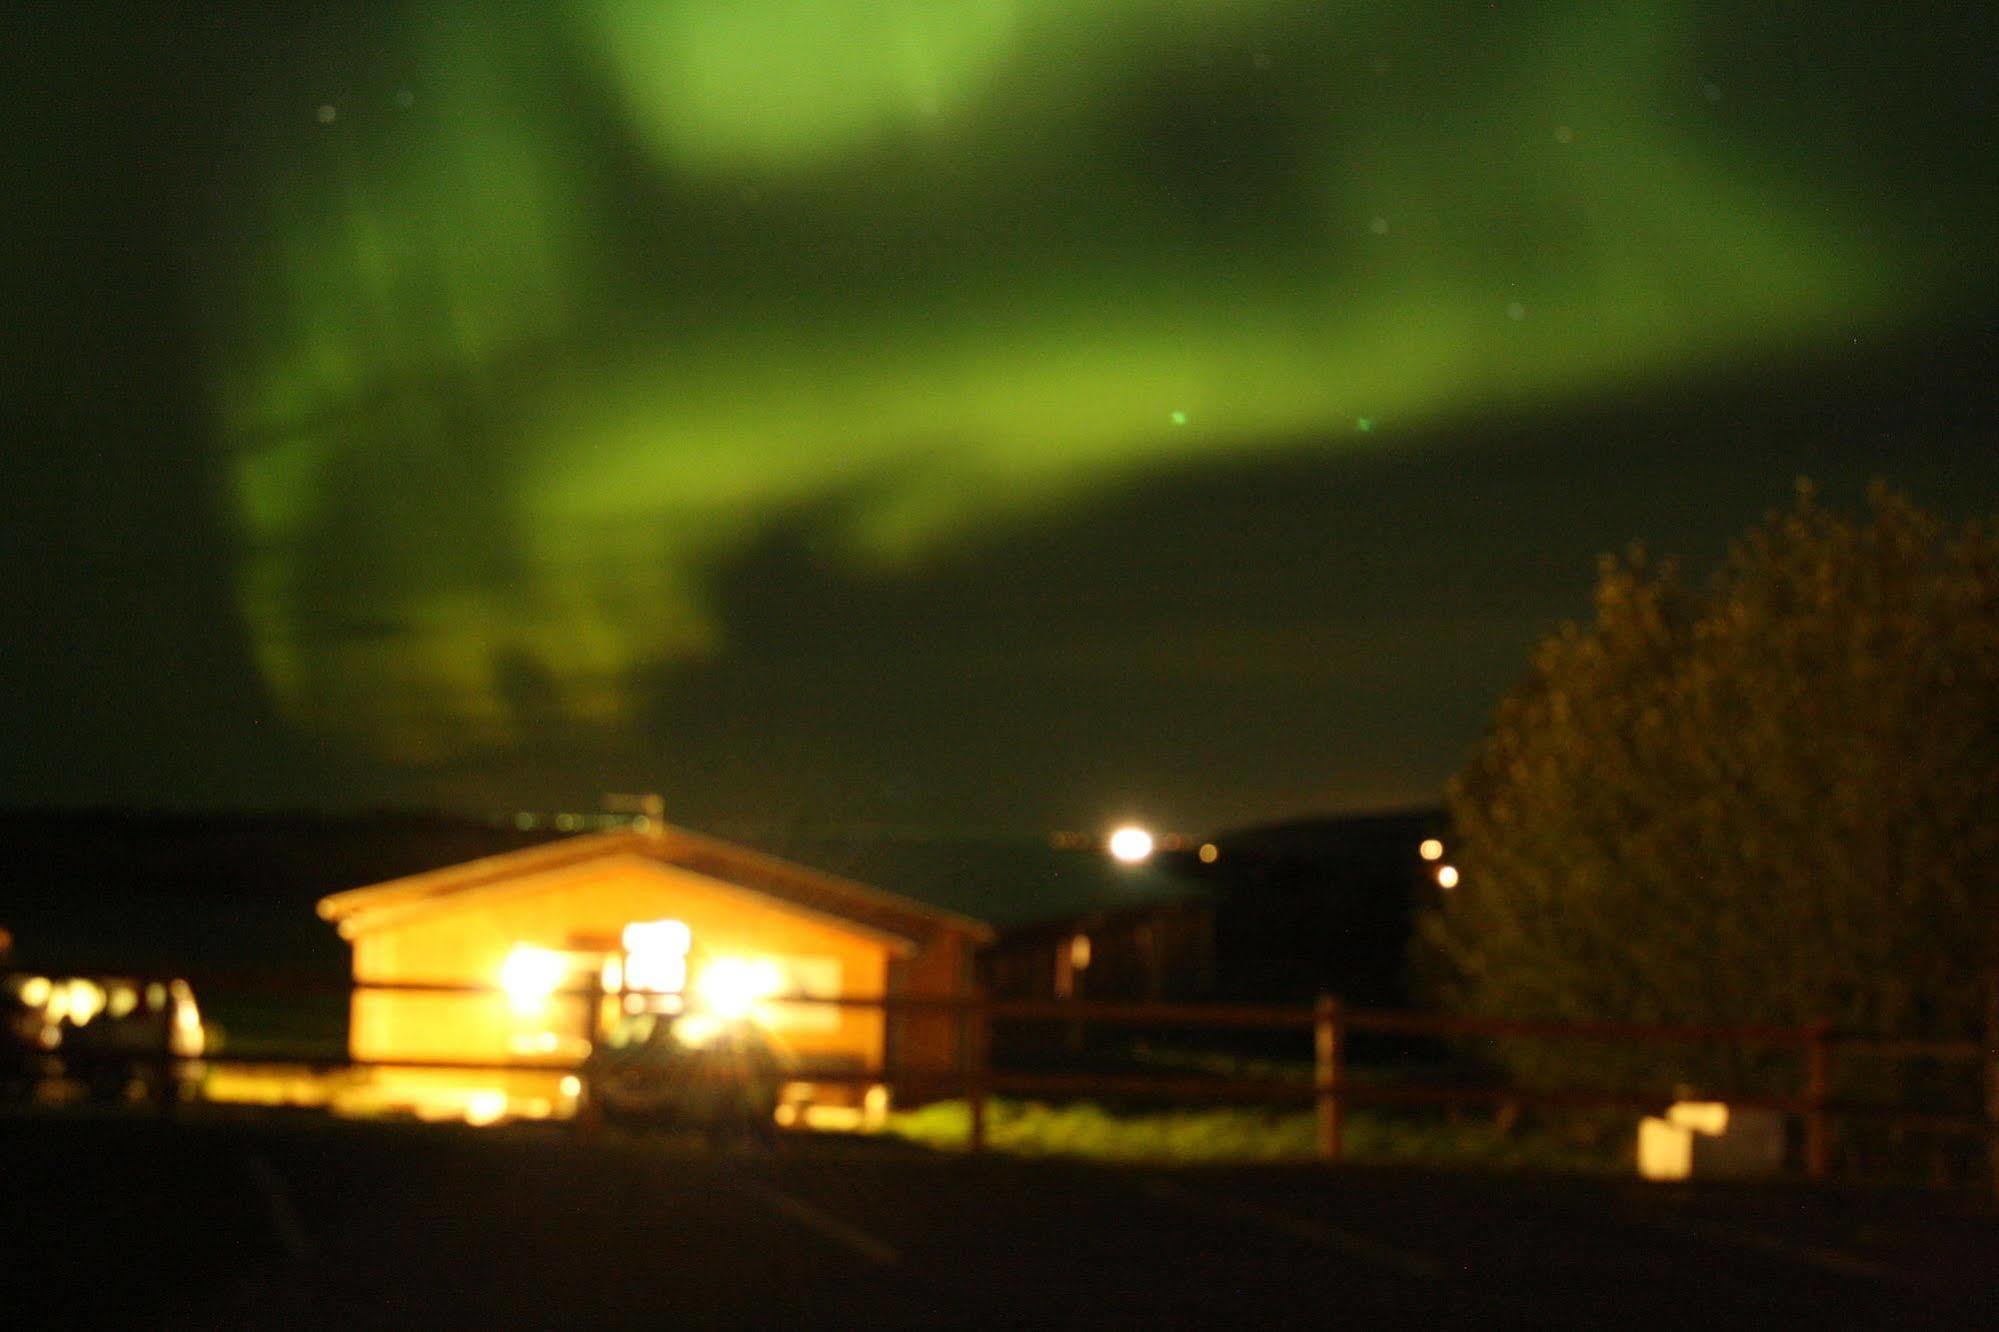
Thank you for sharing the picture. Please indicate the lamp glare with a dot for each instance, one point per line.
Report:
(1131, 845)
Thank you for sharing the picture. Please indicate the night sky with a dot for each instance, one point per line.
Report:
(941, 414)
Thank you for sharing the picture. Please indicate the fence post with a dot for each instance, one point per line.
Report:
(975, 1039)
(589, 1119)
(1818, 1085)
(1327, 1058)
(1992, 1066)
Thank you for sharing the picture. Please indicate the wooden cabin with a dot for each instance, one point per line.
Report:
(532, 952)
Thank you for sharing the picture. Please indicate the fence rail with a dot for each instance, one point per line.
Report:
(1331, 1090)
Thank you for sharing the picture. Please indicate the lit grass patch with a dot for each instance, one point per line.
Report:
(1087, 1130)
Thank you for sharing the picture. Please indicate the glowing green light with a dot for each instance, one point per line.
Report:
(515, 375)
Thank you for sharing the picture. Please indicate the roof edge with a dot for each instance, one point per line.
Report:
(400, 911)
(654, 844)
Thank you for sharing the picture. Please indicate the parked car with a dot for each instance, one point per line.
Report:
(115, 1037)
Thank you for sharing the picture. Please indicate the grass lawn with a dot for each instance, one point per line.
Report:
(1234, 1134)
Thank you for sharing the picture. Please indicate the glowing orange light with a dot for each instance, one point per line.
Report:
(656, 956)
(529, 976)
(1447, 876)
(485, 1107)
(732, 987)
(697, 1031)
(187, 1039)
(1432, 849)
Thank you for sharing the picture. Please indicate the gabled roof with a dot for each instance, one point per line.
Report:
(678, 848)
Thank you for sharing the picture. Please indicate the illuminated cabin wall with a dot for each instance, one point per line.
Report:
(930, 1040)
(467, 941)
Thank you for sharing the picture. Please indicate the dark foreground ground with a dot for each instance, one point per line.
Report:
(274, 1223)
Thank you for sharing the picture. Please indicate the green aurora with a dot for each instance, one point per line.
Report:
(524, 330)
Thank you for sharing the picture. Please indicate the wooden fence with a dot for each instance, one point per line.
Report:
(1331, 1090)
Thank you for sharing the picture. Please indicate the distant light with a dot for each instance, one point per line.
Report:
(1432, 849)
(1209, 853)
(186, 1039)
(78, 1000)
(1079, 952)
(1364, 424)
(571, 1085)
(1179, 418)
(1447, 876)
(327, 113)
(35, 991)
(1131, 845)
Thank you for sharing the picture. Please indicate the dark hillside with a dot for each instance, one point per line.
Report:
(99, 890)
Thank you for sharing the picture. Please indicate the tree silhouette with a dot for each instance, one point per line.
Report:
(1773, 800)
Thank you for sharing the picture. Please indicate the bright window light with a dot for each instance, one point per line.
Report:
(658, 936)
(656, 956)
(732, 987)
(529, 976)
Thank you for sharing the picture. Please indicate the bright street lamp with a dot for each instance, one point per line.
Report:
(1131, 844)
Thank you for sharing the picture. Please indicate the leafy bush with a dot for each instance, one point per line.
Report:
(1770, 802)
